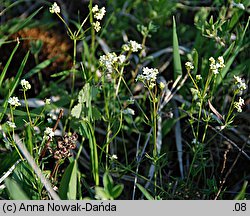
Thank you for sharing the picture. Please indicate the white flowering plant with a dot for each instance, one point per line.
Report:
(106, 91)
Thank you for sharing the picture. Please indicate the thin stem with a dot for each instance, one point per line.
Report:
(231, 108)
(27, 106)
(92, 30)
(13, 135)
(135, 100)
(119, 81)
(71, 34)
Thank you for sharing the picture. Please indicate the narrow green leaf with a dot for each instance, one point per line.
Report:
(230, 61)
(7, 64)
(88, 130)
(23, 24)
(15, 191)
(62, 73)
(14, 84)
(242, 194)
(107, 182)
(196, 60)
(145, 192)
(176, 53)
(117, 190)
(68, 185)
(38, 68)
(7, 161)
(29, 141)
(229, 50)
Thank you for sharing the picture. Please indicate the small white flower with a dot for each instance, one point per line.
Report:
(11, 124)
(134, 46)
(241, 85)
(212, 60)
(148, 77)
(194, 141)
(238, 105)
(121, 58)
(241, 101)
(238, 79)
(125, 47)
(108, 61)
(189, 66)
(25, 84)
(221, 60)
(48, 133)
(113, 157)
(95, 9)
(98, 13)
(97, 26)
(216, 66)
(54, 8)
(198, 77)
(14, 101)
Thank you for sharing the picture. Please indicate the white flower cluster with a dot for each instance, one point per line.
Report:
(110, 60)
(216, 66)
(238, 105)
(25, 84)
(240, 84)
(198, 77)
(54, 8)
(14, 101)
(98, 14)
(189, 66)
(132, 46)
(97, 26)
(113, 157)
(48, 133)
(148, 77)
(11, 124)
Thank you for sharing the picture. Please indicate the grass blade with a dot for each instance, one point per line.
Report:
(176, 53)
(38, 68)
(242, 194)
(145, 192)
(234, 55)
(20, 26)
(14, 84)
(68, 186)
(7, 64)
(15, 191)
(93, 150)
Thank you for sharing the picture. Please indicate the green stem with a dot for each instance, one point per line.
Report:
(131, 94)
(70, 32)
(13, 134)
(231, 108)
(92, 31)
(119, 81)
(27, 107)
(74, 68)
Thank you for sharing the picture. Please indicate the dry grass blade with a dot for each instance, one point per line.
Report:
(36, 169)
